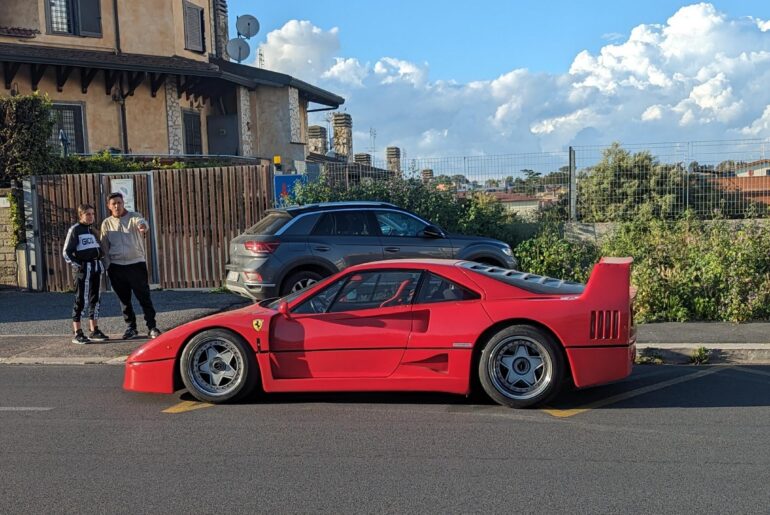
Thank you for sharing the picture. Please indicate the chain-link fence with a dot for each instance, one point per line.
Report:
(597, 183)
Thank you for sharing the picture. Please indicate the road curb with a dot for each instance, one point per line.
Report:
(679, 353)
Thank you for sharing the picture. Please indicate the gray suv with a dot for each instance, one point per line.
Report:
(290, 249)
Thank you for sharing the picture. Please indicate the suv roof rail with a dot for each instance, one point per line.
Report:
(331, 205)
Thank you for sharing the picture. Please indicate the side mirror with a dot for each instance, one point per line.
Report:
(283, 309)
(431, 231)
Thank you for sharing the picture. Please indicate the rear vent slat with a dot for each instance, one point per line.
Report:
(605, 325)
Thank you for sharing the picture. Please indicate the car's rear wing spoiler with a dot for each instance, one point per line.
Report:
(610, 283)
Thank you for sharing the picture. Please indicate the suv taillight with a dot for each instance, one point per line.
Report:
(261, 247)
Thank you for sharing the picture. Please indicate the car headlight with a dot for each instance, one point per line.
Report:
(507, 251)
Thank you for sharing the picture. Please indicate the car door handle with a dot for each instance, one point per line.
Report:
(321, 248)
(392, 249)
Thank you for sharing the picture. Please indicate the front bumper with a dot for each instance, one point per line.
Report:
(149, 376)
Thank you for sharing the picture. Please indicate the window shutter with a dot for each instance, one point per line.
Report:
(89, 18)
(193, 27)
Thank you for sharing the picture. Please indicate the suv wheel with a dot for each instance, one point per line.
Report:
(298, 281)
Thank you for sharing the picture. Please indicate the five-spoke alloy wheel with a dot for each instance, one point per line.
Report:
(218, 366)
(521, 366)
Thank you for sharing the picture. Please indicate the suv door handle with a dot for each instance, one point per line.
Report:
(321, 248)
(392, 249)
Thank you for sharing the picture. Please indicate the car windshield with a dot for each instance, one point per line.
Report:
(269, 224)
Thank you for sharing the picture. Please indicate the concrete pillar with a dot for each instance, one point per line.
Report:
(393, 158)
(343, 135)
(363, 159)
(174, 118)
(221, 27)
(317, 141)
(247, 145)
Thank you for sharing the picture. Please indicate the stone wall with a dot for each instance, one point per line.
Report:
(7, 251)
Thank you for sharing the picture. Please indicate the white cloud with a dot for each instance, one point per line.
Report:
(652, 113)
(347, 71)
(760, 126)
(697, 75)
(301, 49)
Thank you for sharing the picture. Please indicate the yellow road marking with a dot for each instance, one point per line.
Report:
(563, 413)
(187, 406)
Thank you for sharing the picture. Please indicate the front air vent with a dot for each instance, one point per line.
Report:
(605, 325)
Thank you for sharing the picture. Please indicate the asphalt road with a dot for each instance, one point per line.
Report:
(667, 440)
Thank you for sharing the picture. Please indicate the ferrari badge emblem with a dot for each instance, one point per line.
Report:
(257, 324)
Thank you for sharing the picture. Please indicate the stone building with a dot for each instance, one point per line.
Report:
(151, 77)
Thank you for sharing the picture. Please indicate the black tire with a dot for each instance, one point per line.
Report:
(489, 262)
(232, 359)
(521, 366)
(299, 281)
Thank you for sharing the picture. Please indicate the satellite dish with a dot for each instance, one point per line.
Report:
(238, 49)
(247, 25)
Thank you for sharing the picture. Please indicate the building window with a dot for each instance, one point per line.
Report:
(193, 142)
(75, 17)
(194, 24)
(68, 124)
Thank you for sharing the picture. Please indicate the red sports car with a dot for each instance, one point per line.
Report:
(407, 325)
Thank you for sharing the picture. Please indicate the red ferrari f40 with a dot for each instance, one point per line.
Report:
(407, 325)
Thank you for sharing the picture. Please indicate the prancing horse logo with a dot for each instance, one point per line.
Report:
(257, 324)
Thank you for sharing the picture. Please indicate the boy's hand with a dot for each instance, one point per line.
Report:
(75, 268)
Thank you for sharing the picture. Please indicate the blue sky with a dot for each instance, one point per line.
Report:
(480, 40)
(500, 76)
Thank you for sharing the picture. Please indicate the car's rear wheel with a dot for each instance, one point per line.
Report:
(219, 366)
(521, 366)
(300, 280)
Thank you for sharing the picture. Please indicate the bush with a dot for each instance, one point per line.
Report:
(696, 270)
(550, 253)
(477, 214)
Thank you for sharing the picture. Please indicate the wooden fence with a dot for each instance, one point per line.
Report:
(194, 213)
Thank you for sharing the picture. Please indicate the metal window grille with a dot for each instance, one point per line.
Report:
(69, 120)
(61, 16)
(193, 142)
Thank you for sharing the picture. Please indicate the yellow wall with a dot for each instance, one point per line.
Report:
(154, 27)
(145, 115)
(19, 13)
(146, 121)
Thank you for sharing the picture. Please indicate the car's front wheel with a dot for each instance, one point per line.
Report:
(219, 366)
(521, 366)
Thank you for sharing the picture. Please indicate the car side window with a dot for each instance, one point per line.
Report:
(393, 224)
(344, 223)
(438, 289)
(319, 302)
(377, 289)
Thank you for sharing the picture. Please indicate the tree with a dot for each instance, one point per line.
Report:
(25, 127)
(617, 187)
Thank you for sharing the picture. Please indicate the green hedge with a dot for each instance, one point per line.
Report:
(696, 270)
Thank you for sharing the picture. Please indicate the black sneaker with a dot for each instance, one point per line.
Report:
(154, 332)
(80, 339)
(98, 336)
(130, 333)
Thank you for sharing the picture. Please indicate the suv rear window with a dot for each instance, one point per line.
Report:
(269, 224)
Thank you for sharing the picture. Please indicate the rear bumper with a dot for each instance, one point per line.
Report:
(253, 291)
(149, 376)
(592, 366)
